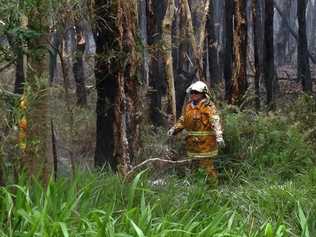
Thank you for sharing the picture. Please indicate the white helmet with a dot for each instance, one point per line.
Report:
(198, 86)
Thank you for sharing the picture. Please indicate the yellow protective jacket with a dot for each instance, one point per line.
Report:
(201, 122)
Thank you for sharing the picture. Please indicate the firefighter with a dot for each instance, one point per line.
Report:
(202, 123)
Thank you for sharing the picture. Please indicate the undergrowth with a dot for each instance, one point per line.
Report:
(267, 189)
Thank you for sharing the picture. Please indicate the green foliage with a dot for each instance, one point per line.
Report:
(267, 143)
(101, 205)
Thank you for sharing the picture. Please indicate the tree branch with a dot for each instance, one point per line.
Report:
(152, 160)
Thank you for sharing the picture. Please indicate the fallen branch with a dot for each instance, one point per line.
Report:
(152, 160)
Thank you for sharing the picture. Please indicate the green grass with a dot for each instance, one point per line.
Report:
(102, 205)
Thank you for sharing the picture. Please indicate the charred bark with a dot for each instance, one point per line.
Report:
(78, 68)
(19, 71)
(269, 53)
(313, 32)
(105, 71)
(303, 69)
(118, 99)
(212, 46)
(256, 44)
(142, 18)
(155, 13)
(293, 33)
(283, 35)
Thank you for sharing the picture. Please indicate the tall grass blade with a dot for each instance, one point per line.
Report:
(132, 190)
(303, 221)
(64, 229)
(137, 229)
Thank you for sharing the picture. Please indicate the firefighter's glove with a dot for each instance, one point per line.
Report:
(171, 131)
(220, 141)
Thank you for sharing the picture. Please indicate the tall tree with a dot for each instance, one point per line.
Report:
(155, 14)
(142, 18)
(212, 45)
(303, 69)
(38, 160)
(313, 29)
(257, 33)
(121, 88)
(78, 67)
(167, 48)
(269, 52)
(239, 80)
(283, 34)
(196, 17)
(105, 74)
(228, 48)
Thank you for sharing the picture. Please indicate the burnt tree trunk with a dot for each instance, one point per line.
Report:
(313, 28)
(155, 13)
(283, 35)
(228, 49)
(256, 13)
(78, 68)
(212, 46)
(106, 84)
(239, 80)
(269, 53)
(118, 107)
(293, 33)
(142, 18)
(19, 70)
(303, 69)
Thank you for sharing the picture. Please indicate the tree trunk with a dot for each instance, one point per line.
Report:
(2, 181)
(55, 41)
(142, 18)
(167, 48)
(239, 81)
(155, 13)
(212, 46)
(283, 34)
(290, 26)
(269, 53)
(18, 46)
(303, 69)
(196, 23)
(19, 71)
(105, 74)
(256, 43)
(38, 160)
(122, 115)
(126, 124)
(313, 32)
(228, 49)
(78, 68)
